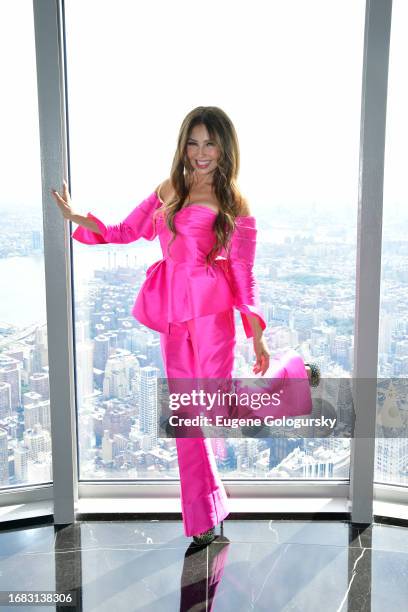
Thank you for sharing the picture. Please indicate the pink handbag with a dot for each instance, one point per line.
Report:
(287, 379)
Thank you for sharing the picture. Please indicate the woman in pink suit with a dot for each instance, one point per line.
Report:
(208, 239)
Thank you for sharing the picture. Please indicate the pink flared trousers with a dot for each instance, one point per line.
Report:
(200, 348)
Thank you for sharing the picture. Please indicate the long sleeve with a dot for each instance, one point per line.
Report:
(138, 224)
(240, 264)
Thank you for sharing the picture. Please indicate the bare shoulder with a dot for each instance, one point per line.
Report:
(164, 190)
(244, 209)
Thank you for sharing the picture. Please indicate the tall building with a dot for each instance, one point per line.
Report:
(5, 400)
(39, 383)
(148, 402)
(10, 372)
(4, 471)
(38, 441)
(21, 454)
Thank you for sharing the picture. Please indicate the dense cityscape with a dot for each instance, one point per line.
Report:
(306, 276)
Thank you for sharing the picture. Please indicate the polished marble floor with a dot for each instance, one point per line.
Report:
(150, 566)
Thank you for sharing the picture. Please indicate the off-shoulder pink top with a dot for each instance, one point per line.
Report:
(181, 286)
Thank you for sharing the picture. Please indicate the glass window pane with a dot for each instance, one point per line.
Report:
(289, 76)
(391, 460)
(25, 430)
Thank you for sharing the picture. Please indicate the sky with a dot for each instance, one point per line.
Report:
(288, 74)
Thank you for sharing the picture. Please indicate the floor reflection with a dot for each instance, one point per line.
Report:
(150, 566)
(203, 569)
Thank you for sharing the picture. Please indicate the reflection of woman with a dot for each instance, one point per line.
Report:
(208, 239)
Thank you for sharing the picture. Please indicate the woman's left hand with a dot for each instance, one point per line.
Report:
(262, 355)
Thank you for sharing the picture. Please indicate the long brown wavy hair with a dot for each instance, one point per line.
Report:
(221, 130)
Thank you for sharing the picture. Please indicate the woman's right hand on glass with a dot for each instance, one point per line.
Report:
(64, 201)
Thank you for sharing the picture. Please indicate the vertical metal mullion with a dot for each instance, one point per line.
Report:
(57, 256)
(368, 264)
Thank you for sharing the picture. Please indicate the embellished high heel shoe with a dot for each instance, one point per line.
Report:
(204, 538)
(315, 376)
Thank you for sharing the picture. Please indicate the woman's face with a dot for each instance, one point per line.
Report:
(202, 152)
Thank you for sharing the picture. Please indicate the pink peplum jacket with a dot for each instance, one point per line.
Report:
(182, 286)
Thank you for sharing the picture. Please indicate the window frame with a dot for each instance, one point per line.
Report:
(69, 496)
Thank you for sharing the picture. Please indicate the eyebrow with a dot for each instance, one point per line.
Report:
(207, 140)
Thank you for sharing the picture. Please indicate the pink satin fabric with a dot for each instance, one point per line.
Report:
(297, 398)
(181, 286)
(191, 305)
(203, 349)
(200, 348)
